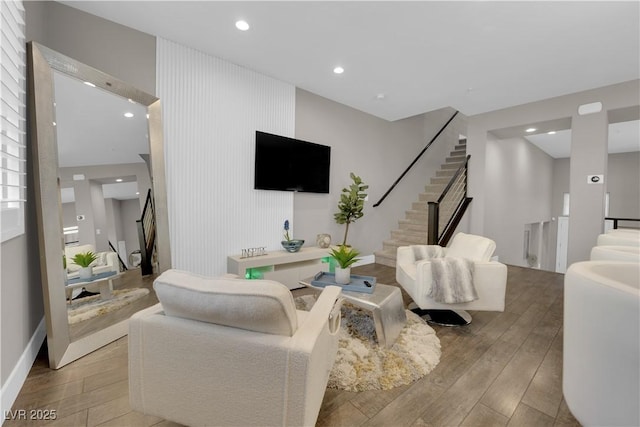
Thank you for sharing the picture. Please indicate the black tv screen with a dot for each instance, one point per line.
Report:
(288, 164)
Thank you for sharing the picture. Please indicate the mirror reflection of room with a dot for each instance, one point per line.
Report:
(103, 149)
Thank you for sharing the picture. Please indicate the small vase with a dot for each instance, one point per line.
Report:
(85, 272)
(323, 240)
(343, 275)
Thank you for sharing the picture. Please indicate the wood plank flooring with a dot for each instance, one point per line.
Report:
(504, 369)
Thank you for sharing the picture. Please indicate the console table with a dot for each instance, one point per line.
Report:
(282, 266)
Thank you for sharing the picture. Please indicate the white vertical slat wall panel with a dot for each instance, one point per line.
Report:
(211, 110)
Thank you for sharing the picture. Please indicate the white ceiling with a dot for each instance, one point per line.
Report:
(91, 130)
(623, 138)
(422, 55)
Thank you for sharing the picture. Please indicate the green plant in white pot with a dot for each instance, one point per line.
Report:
(84, 261)
(345, 257)
(351, 204)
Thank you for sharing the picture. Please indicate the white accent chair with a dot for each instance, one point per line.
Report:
(601, 349)
(229, 351)
(620, 237)
(489, 277)
(615, 253)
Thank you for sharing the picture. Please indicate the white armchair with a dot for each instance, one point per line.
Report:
(489, 277)
(223, 351)
(620, 237)
(601, 349)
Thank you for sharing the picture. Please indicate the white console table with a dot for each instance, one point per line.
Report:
(282, 266)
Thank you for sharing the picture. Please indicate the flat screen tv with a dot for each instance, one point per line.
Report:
(288, 164)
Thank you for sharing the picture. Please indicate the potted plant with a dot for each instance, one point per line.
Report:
(345, 257)
(289, 244)
(351, 204)
(84, 260)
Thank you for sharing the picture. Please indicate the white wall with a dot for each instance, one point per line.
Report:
(588, 155)
(623, 185)
(520, 178)
(211, 110)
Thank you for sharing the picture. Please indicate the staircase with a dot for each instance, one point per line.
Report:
(413, 229)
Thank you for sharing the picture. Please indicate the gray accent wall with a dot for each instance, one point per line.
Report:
(120, 51)
(376, 150)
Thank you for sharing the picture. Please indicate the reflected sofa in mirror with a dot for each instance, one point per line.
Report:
(95, 172)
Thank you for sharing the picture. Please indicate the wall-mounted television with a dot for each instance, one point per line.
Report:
(288, 164)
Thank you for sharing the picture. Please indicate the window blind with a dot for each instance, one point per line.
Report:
(12, 118)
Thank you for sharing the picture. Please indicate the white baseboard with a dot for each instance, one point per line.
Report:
(11, 388)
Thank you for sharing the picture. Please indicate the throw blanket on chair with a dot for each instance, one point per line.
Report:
(421, 252)
(452, 280)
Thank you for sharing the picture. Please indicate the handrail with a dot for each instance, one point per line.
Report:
(384, 196)
(615, 220)
(123, 266)
(146, 235)
(453, 178)
(434, 237)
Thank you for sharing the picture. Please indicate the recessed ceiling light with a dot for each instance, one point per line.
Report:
(338, 70)
(380, 96)
(54, 123)
(89, 84)
(531, 130)
(242, 25)
(128, 115)
(119, 180)
(137, 193)
(551, 132)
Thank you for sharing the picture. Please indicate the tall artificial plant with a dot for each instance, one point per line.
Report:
(351, 204)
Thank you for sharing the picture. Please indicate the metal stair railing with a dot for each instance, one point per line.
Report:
(384, 196)
(445, 214)
(123, 266)
(147, 235)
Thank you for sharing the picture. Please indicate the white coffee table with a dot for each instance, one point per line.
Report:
(104, 282)
(385, 305)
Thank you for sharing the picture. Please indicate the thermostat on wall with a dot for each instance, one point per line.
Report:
(595, 179)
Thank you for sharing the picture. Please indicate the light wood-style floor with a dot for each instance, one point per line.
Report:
(505, 369)
(129, 279)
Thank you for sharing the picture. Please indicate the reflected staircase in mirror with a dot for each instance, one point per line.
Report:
(123, 266)
(147, 235)
(413, 229)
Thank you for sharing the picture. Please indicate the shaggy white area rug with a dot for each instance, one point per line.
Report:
(89, 307)
(363, 365)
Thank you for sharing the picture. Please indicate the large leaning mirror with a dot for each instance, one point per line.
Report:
(98, 168)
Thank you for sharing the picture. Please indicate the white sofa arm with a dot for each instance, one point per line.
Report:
(319, 318)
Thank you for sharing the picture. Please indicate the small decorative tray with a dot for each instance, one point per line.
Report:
(357, 283)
